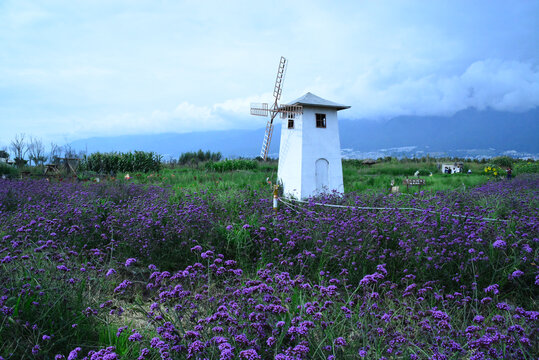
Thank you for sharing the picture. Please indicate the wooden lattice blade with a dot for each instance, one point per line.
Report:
(287, 110)
(260, 109)
(267, 140)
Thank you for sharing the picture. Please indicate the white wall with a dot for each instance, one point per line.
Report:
(290, 157)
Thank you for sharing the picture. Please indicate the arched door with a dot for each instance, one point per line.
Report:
(322, 175)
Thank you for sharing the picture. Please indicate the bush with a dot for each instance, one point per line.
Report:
(8, 170)
(424, 172)
(230, 165)
(193, 158)
(503, 161)
(494, 171)
(527, 168)
(111, 163)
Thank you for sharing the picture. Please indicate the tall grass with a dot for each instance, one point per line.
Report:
(111, 163)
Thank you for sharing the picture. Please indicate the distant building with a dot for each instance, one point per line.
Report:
(451, 168)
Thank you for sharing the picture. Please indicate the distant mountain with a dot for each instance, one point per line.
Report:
(472, 132)
(468, 129)
(231, 143)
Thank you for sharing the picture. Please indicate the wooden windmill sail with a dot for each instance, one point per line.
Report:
(264, 109)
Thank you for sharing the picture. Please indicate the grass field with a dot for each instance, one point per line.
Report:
(357, 178)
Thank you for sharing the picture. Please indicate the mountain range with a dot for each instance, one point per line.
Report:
(467, 133)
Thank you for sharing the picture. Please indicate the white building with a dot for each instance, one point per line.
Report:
(310, 150)
(451, 168)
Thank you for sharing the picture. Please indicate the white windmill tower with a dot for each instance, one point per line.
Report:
(310, 150)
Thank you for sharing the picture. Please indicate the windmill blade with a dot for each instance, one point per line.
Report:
(287, 110)
(259, 109)
(275, 109)
(281, 71)
(267, 140)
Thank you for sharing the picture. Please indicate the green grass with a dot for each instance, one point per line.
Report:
(200, 178)
(356, 177)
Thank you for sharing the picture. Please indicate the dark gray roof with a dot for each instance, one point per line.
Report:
(310, 99)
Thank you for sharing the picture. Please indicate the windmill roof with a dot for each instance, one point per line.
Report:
(311, 99)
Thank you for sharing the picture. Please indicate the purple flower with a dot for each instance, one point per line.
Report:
(515, 274)
(120, 330)
(130, 262)
(123, 285)
(195, 347)
(271, 341)
(249, 354)
(110, 272)
(143, 353)
(207, 254)
(74, 354)
(492, 288)
(135, 337)
(35, 349)
(478, 319)
(499, 244)
(340, 341)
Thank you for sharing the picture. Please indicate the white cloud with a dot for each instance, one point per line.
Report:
(491, 83)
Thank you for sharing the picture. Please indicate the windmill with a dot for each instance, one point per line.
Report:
(263, 109)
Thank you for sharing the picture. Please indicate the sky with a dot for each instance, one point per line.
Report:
(77, 69)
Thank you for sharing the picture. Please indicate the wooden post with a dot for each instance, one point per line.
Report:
(275, 198)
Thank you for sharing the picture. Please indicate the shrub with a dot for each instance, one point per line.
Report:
(527, 168)
(193, 158)
(139, 161)
(493, 170)
(8, 170)
(503, 161)
(230, 165)
(424, 172)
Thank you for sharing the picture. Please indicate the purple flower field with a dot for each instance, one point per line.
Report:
(125, 271)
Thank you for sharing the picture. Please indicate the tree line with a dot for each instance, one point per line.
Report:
(25, 150)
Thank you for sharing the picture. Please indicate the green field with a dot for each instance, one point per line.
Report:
(356, 176)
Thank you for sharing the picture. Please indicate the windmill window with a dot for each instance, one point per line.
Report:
(290, 123)
(291, 117)
(320, 120)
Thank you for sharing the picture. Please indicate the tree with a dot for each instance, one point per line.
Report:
(4, 154)
(19, 148)
(54, 154)
(71, 153)
(36, 151)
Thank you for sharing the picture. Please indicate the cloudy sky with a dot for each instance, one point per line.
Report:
(74, 69)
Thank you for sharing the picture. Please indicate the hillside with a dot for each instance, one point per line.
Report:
(469, 132)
